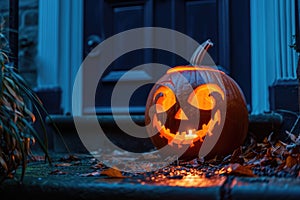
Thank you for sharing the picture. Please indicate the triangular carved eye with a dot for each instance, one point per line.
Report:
(201, 97)
(164, 99)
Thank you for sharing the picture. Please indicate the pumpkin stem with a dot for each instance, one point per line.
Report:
(198, 55)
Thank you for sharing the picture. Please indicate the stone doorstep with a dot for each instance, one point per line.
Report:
(37, 186)
(271, 118)
(265, 188)
(71, 187)
(260, 125)
(95, 188)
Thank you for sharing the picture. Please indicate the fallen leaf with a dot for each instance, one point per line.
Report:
(236, 156)
(96, 173)
(57, 172)
(291, 136)
(112, 173)
(69, 158)
(238, 169)
(290, 161)
(63, 165)
(98, 166)
(36, 158)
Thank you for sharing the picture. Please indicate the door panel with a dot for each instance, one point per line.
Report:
(202, 24)
(117, 17)
(199, 19)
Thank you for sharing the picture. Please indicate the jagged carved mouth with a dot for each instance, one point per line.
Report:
(187, 136)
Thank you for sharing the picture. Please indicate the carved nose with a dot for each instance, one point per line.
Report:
(181, 115)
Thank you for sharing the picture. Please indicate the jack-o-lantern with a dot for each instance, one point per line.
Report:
(191, 104)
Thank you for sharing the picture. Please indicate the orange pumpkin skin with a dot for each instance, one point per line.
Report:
(219, 97)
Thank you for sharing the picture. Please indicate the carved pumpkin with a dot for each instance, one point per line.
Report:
(192, 103)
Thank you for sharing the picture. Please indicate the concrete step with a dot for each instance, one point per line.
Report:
(261, 125)
(77, 181)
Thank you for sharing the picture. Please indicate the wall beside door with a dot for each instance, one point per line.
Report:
(273, 60)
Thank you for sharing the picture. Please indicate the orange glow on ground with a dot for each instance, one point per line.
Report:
(190, 180)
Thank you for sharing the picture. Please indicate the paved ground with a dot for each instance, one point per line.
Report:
(82, 177)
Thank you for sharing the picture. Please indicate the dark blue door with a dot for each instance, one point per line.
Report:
(199, 19)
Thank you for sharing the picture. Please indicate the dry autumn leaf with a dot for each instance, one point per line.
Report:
(57, 172)
(63, 165)
(290, 161)
(96, 173)
(69, 158)
(97, 166)
(112, 173)
(37, 158)
(238, 169)
(294, 138)
(236, 156)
